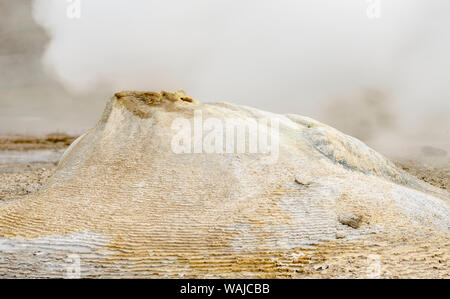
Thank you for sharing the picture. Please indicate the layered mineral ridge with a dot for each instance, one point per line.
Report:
(126, 202)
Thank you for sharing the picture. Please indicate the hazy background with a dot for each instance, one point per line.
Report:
(380, 75)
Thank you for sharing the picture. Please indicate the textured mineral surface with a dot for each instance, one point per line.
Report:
(123, 203)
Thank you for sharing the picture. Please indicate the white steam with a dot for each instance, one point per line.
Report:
(293, 56)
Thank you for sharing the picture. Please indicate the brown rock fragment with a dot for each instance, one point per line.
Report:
(350, 219)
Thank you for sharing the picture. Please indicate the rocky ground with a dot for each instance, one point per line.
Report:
(26, 162)
(436, 175)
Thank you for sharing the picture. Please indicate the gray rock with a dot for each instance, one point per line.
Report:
(349, 219)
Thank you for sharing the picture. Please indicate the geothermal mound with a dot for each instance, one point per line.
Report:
(136, 196)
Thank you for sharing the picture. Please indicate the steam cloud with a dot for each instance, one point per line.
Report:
(321, 58)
